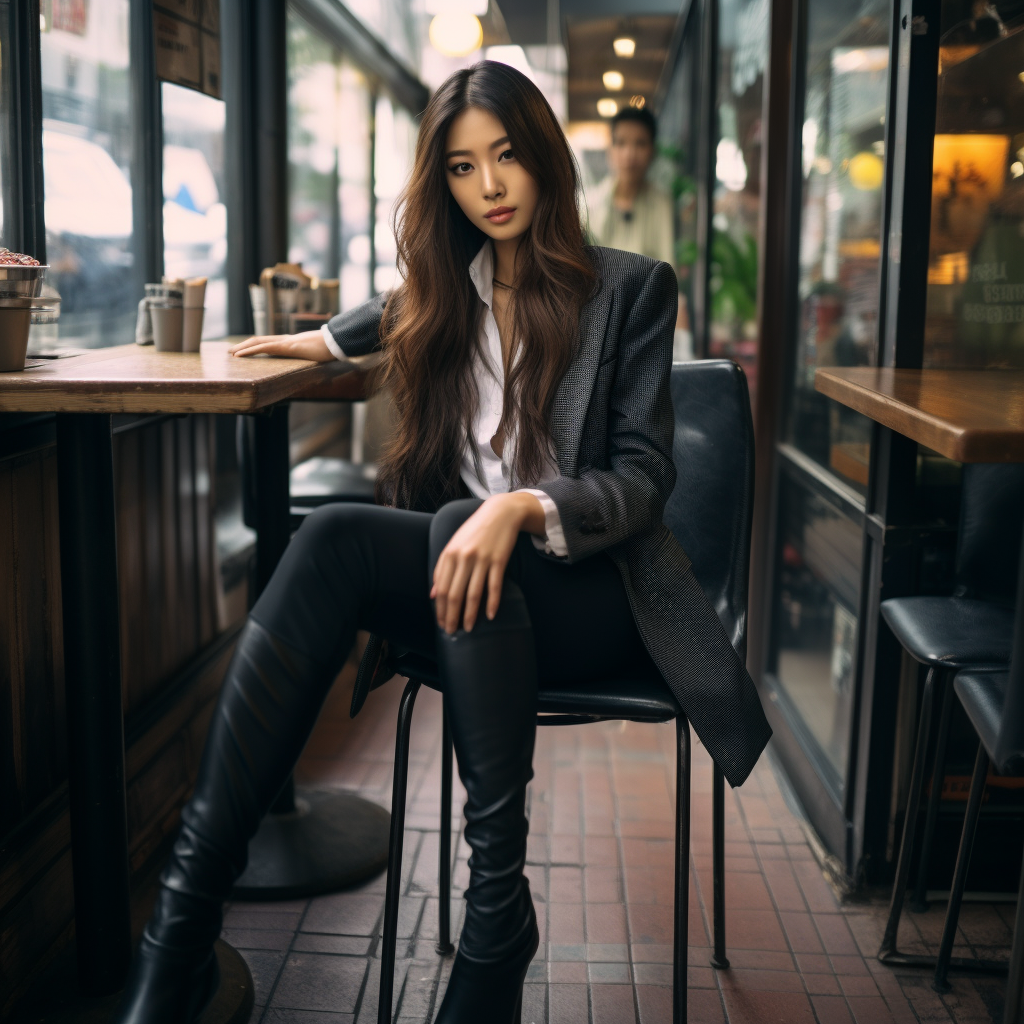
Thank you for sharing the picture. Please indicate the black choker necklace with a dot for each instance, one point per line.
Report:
(501, 284)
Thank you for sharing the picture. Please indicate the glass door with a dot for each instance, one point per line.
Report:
(842, 79)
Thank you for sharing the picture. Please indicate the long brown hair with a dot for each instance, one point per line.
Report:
(430, 328)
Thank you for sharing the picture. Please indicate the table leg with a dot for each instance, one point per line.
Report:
(92, 678)
(96, 773)
(316, 842)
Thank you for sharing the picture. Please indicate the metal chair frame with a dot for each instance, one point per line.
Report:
(936, 709)
(444, 944)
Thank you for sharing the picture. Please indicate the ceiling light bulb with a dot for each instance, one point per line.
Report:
(607, 107)
(455, 34)
(613, 80)
(624, 46)
(638, 101)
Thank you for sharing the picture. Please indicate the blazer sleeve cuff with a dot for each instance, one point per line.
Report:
(335, 348)
(553, 541)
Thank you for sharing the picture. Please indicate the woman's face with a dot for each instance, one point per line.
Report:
(489, 184)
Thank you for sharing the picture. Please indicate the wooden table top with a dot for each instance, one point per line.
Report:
(966, 415)
(138, 379)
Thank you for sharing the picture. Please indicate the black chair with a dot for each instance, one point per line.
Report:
(973, 627)
(710, 513)
(994, 702)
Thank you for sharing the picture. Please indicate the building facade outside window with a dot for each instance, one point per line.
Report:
(195, 218)
(329, 157)
(86, 156)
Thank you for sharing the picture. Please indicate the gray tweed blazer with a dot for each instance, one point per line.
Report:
(612, 426)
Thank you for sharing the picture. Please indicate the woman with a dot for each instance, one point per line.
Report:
(515, 356)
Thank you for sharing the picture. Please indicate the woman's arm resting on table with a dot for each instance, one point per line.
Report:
(307, 345)
(477, 556)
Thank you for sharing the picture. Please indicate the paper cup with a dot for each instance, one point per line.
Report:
(192, 332)
(14, 326)
(167, 327)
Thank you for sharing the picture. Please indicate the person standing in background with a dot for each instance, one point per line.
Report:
(626, 210)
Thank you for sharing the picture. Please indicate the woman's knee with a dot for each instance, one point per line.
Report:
(445, 525)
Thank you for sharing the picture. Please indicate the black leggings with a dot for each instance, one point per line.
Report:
(355, 566)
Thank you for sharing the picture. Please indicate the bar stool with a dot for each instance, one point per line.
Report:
(972, 627)
(994, 702)
(709, 511)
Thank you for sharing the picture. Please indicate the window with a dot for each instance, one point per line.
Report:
(736, 195)
(195, 218)
(841, 224)
(86, 154)
(329, 105)
(393, 154)
(975, 306)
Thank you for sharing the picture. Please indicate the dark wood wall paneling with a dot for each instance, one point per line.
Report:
(173, 660)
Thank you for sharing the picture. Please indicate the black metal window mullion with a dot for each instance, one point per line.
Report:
(147, 159)
(21, 82)
(708, 128)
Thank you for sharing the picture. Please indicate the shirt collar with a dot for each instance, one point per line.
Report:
(481, 273)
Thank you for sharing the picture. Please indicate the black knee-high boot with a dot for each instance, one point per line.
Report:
(490, 681)
(268, 705)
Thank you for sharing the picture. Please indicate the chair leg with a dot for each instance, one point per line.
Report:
(1012, 1008)
(887, 952)
(963, 862)
(919, 900)
(718, 958)
(389, 939)
(444, 857)
(682, 900)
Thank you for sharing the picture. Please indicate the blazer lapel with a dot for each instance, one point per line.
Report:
(572, 399)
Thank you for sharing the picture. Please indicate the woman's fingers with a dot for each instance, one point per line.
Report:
(474, 592)
(456, 593)
(443, 572)
(495, 578)
(270, 344)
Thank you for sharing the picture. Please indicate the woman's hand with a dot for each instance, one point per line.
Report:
(477, 556)
(307, 345)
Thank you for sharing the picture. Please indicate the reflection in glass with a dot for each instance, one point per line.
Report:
(841, 223)
(329, 163)
(678, 128)
(743, 51)
(395, 142)
(975, 308)
(195, 218)
(313, 135)
(815, 631)
(86, 157)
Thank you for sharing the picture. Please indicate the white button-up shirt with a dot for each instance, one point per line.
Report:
(483, 471)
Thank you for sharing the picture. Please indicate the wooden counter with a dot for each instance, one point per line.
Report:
(137, 379)
(966, 415)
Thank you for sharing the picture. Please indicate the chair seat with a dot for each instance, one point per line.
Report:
(983, 695)
(951, 632)
(640, 698)
(320, 481)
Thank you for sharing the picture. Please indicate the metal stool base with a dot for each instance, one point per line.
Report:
(329, 842)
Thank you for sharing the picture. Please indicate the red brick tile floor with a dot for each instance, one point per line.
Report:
(600, 866)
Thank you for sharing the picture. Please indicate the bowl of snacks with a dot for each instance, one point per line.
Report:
(20, 275)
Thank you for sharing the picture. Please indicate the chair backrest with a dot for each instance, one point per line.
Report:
(989, 541)
(711, 507)
(1008, 755)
